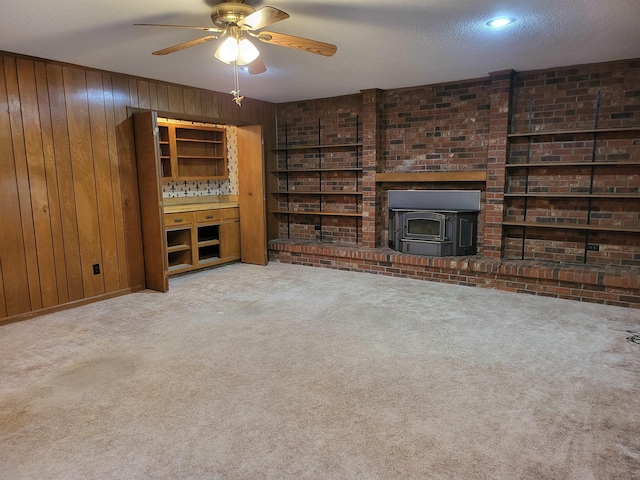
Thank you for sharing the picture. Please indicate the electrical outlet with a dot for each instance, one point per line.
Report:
(96, 269)
(594, 247)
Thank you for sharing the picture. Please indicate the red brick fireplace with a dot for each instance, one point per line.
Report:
(559, 209)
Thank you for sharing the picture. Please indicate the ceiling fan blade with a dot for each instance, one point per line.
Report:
(206, 29)
(182, 46)
(256, 67)
(304, 44)
(263, 17)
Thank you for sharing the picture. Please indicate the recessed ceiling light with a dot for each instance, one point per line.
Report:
(500, 22)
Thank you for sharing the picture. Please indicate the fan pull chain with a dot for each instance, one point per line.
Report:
(236, 85)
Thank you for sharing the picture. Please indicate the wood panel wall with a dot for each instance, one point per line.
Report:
(68, 184)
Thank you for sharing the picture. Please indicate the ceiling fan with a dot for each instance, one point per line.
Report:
(236, 20)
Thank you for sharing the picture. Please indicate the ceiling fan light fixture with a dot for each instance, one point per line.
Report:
(247, 52)
(227, 52)
(500, 22)
(233, 20)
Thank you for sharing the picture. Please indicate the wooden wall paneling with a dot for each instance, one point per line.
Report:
(143, 94)
(246, 111)
(153, 96)
(256, 113)
(14, 276)
(116, 188)
(55, 215)
(69, 178)
(176, 99)
(3, 306)
(64, 173)
(84, 179)
(189, 101)
(104, 193)
(129, 182)
(22, 176)
(133, 93)
(222, 105)
(163, 97)
(208, 109)
(37, 182)
(198, 103)
(234, 112)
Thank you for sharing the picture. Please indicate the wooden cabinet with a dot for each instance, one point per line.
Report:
(179, 249)
(202, 238)
(165, 149)
(192, 152)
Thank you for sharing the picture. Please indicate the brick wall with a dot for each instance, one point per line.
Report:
(441, 127)
(563, 99)
(337, 120)
(328, 122)
(464, 126)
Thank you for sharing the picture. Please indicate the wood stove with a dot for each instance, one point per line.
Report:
(434, 222)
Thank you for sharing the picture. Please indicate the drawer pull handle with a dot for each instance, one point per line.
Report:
(209, 216)
(176, 220)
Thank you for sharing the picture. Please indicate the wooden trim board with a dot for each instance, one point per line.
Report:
(471, 176)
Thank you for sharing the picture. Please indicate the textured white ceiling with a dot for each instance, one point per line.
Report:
(381, 43)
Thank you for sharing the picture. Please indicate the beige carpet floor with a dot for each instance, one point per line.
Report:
(290, 372)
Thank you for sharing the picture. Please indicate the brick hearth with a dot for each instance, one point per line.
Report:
(607, 285)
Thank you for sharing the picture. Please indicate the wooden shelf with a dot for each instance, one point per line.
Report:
(575, 195)
(207, 243)
(209, 177)
(217, 142)
(470, 176)
(570, 164)
(317, 147)
(178, 248)
(304, 170)
(329, 192)
(192, 152)
(326, 214)
(543, 133)
(584, 227)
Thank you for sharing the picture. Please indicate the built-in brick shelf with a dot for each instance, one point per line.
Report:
(588, 283)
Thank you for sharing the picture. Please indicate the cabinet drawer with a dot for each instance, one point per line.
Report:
(209, 216)
(171, 219)
(229, 213)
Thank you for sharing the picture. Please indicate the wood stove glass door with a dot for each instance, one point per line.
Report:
(425, 226)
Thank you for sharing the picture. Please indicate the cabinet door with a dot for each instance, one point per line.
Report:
(229, 240)
(253, 232)
(153, 236)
